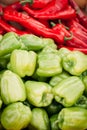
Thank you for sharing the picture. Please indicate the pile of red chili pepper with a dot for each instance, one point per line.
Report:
(61, 20)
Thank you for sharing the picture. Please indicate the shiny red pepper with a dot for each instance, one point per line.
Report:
(56, 9)
(70, 39)
(79, 33)
(8, 28)
(32, 24)
(37, 4)
(81, 16)
(76, 24)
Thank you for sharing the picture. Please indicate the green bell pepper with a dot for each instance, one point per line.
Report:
(68, 91)
(1, 36)
(9, 42)
(53, 108)
(63, 52)
(49, 62)
(38, 93)
(39, 120)
(12, 88)
(54, 122)
(75, 62)
(58, 78)
(32, 42)
(73, 118)
(23, 62)
(49, 42)
(16, 116)
(81, 102)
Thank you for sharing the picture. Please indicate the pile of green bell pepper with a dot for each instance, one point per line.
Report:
(41, 87)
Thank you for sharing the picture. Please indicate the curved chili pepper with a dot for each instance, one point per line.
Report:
(37, 4)
(81, 16)
(32, 24)
(79, 34)
(74, 23)
(8, 28)
(70, 40)
(55, 9)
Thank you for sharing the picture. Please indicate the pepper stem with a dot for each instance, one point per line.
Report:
(23, 2)
(68, 38)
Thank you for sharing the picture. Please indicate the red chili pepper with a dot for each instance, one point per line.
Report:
(14, 6)
(79, 34)
(56, 9)
(37, 4)
(81, 16)
(71, 40)
(8, 28)
(32, 24)
(74, 23)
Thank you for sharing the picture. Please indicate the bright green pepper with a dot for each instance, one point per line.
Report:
(75, 62)
(54, 122)
(39, 94)
(23, 62)
(68, 91)
(8, 43)
(12, 88)
(39, 120)
(49, 62)
(49, 42)
(16, 116)
(63, 52)
(32, 42)
(74, 118)
(58, 78)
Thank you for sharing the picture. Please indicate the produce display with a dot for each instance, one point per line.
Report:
(41, 87)
(43, 66)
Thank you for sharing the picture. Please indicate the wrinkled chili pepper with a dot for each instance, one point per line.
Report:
(32, 24)
(37, 4)
(53, 12)
(8, 28)
(74, 23)
(70, 40)
(81, 16)
(79, 34)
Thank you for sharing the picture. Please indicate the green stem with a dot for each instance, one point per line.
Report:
(23, 2)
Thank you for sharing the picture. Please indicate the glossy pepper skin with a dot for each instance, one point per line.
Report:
(50, 10)
(39, 120)
(73, 118)
(49, 63)
(67, 92)
(75, 62)
(39, 94)
(8, 43)
(32, 42)
(23, 62)
(12, 88)
(16, 116)
(58, 78)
